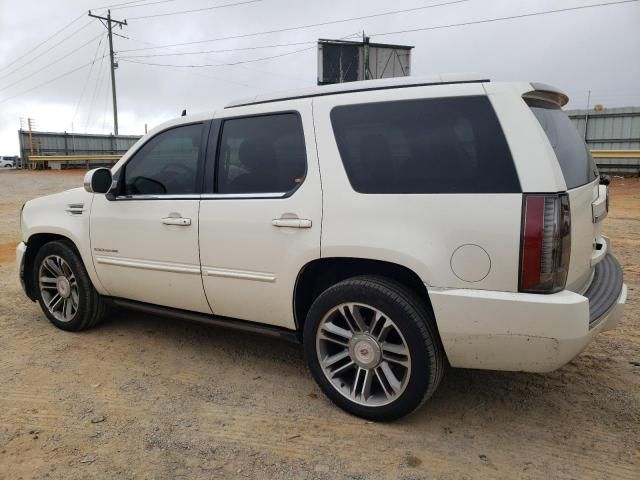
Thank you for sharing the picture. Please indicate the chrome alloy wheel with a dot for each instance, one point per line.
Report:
(59, 288)
(363, 354)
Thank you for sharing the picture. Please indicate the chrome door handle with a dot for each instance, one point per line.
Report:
(180, 221)
(291, 222)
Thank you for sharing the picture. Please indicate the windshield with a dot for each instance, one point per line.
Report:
(574, 156)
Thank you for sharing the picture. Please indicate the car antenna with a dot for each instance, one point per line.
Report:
(184, 113)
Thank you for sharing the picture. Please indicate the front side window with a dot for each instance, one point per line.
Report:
(262, 154)
(165, 165)
(439, 145)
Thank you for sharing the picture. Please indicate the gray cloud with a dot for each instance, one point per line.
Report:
(595, 49)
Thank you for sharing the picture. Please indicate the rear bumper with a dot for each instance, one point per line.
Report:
(604, 290)
(526, 332)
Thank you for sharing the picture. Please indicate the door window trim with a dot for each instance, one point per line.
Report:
(119, 180)
(213, 154)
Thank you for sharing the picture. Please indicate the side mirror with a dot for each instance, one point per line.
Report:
(605, 180)
(98, 180)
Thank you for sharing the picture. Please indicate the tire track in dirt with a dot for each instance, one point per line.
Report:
(259, 429)
(184, 401)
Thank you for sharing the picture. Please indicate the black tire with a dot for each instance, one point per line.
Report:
(415, 322)
(91, 309)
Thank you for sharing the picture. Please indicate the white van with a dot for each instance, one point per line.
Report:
(7, 162)
(392, 226)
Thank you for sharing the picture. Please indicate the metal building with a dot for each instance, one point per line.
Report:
(71, 150)
(613, 135)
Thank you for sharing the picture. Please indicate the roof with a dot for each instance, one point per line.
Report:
(607, 111)
(326, 41)
(363, 85)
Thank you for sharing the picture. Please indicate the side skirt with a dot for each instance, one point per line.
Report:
(234, 323)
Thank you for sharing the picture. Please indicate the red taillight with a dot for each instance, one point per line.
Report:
(545, 243)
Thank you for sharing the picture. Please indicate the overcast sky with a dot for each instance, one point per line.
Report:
(594, 49)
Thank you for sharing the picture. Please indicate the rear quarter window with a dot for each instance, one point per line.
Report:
(574, 157)
(442, 145)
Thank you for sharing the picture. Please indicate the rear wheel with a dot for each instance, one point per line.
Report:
(372, 346)
(65, 292)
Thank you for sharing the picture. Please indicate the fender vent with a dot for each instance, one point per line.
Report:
(75, 208)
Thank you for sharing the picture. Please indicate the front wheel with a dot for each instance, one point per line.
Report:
(65, 292)
(372, 347)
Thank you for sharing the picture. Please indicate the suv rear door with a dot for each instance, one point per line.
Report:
(260, 218)
(587, 198)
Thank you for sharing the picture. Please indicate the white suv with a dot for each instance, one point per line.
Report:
(7, 162)
(391, 226)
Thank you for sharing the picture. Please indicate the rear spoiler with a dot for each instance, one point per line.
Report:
(547, 93)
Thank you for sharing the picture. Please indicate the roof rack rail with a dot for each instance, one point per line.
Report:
(359, 86)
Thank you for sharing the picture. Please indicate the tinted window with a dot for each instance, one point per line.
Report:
(263, 154)
(166, 164)
(573, 155)
(444, 145)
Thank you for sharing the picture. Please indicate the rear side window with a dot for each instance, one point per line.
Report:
(440, 145)
(572, 153)
(262, 154)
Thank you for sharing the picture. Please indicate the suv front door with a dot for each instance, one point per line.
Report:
(260, 220)
(144, 236)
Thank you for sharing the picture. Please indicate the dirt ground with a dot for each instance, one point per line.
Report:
(176, 400)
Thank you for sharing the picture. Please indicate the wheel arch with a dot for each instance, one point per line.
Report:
(318, 275)
(34, 244)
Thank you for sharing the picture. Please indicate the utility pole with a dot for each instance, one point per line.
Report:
(586, 115)
(366, 74)
(29, 122)
(113, 64)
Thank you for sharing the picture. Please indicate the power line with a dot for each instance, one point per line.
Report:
(218, 64)
(195, 10)
(97, 87)
(226, 80)
(145, 4)
(86, 82)
(47, 82)
(141, 3)
(221, 79)
(635, 89)
(606, 96)
(63, 29)
(320, 24)
(301, 27)
(230, 64)
(67, 26)
(104, 106)
(297, 78)
(243, 64)
(498, 19)
(202, 52)
(46, 51)
(511, 17)
(58, 60)
(44, 41)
